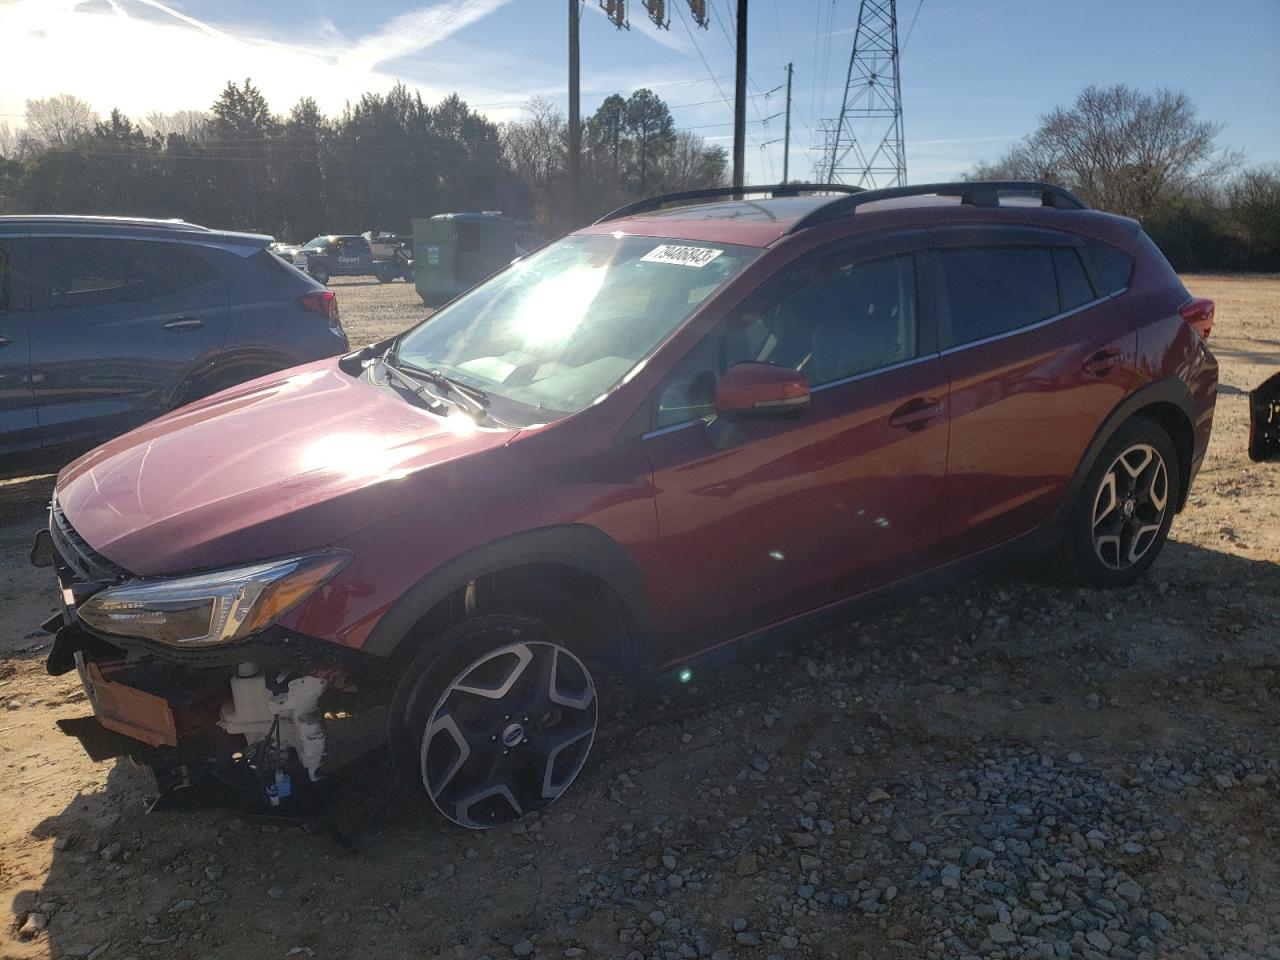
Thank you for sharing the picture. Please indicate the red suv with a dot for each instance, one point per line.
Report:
(678, 429)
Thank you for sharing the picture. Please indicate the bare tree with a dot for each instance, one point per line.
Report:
(692, 164)
(1121, 149)
(9, 140)
(58, 121)
(192, 125)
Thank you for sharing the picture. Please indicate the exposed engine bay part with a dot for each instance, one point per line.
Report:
(291, 718)
(1264, 420)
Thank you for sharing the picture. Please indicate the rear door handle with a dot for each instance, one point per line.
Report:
(1102, 362)
(914, 414)
(184, 323)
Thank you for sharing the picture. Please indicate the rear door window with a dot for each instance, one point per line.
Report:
(995, 290)
(69, 273)
(1111, 265)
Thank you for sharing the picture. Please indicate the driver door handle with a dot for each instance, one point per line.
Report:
(915, 414)
(184, 323)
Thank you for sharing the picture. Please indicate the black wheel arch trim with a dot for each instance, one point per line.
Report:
(1170, 391)
(578, 546)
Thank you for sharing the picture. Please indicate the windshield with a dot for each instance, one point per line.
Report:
(317, 244)
(558, 330)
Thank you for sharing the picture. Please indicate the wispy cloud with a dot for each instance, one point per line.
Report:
(416, 30)
(112, 59)
(179, 15)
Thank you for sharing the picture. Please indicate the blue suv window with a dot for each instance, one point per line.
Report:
(70, 273)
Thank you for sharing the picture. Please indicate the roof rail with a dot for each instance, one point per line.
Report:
(979, 193)
(156, 223)
(649, 204)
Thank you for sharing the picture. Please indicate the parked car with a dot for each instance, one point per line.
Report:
(335, 256)
(106, 323)
(660, 439)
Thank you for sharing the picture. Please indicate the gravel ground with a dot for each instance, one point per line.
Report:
(1003, 768)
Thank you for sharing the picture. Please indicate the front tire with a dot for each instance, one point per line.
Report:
(495, 719)
(319, 275)
(1122, 513)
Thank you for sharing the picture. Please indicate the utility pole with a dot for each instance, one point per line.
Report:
(740, 97)
(786, 135)
(575, 118)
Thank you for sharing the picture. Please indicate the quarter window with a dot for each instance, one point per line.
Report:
(830, 320)
(1111, 264)
(993, 290)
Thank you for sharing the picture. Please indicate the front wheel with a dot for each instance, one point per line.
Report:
(495, 719)
(1122, 514)
(319, 275)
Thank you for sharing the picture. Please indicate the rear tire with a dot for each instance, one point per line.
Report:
(385, 272)
(1121, 516)
(319, 275)
(495, 719)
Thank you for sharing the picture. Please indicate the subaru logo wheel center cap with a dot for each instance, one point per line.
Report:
(513, 736)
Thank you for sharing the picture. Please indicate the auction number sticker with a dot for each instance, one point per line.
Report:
(684, 256)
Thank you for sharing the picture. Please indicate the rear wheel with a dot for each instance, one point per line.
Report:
(385, 272)
(319, 274)
(1122, 514)
(495, 719)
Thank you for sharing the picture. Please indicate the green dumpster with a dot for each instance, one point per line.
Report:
(452, 252)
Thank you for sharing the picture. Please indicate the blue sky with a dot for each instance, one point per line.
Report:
(976, 73)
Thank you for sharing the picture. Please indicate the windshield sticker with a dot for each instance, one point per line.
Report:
(684, 256)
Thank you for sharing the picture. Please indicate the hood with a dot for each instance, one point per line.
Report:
(286, 463)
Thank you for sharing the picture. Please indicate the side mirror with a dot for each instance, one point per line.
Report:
(761, 389)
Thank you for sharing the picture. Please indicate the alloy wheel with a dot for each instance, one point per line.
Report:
(1129, 507)
(509, 734)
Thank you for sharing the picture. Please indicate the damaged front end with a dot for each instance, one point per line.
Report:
(194, 672)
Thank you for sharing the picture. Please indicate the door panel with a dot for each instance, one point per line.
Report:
(787, 515)
(116, 326)
(18, 429)
(800, 513)
(1024, 406)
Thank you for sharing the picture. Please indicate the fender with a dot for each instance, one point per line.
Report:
(1171, 391)
(578, 546)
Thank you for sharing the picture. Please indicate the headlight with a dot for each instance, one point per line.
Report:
(210, 608)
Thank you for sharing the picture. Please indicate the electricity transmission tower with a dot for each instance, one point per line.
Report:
(864, 144)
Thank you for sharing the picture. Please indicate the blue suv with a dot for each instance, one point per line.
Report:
(106, 323)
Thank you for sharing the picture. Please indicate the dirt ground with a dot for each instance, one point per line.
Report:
(1003, 768)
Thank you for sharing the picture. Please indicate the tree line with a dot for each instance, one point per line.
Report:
(385, 160)
(1149, 155)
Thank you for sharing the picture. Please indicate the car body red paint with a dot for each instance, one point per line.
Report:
(729, 528)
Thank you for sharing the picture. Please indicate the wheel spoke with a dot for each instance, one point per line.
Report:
(551, 790)
(496, 691)
(1142, 453)
(1108, 489)
(443, 723)
(1149, 532)
(557, 695)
